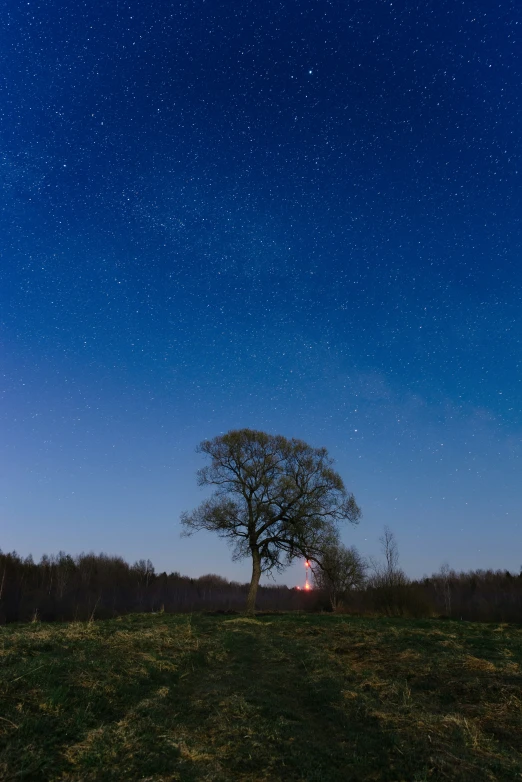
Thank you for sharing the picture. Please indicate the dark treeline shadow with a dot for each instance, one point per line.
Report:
(475, 596)
(99, 586)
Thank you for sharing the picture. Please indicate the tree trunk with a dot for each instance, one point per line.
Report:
(254, 583)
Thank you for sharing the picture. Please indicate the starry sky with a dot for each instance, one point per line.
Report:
(301, 217)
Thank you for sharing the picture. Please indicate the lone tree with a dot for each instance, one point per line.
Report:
(275, 500)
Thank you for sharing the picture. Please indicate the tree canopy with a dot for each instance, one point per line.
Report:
(340, 570)
(275, 499)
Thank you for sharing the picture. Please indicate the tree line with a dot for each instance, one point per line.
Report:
(352, 584)
(98, 586)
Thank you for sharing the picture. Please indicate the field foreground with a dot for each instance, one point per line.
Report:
(282, 697)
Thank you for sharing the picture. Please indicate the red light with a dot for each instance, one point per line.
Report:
(307, 585)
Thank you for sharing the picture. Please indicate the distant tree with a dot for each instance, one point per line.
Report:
(339, 570)
(445, 577)
(212, 580)
(388, 579)
(144, 570)
(275, 500)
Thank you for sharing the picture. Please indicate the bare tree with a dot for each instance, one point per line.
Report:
(445, 576)
(388, 579)
(275, 499)
(339, 570)
(390, 551)
(144, 569)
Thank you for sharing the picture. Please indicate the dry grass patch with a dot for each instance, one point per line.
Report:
(478, 664)
(293, 698)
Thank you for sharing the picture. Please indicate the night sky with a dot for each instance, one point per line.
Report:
(300, 217)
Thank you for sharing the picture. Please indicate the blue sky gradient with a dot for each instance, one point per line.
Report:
(297, 217)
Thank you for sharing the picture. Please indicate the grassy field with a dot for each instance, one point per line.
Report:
(281, 697)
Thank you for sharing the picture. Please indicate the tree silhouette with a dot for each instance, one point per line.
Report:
(275, 499)
(340, 570)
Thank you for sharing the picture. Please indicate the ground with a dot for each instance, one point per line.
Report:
(320, 698)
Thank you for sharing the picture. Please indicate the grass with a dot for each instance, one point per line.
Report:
(320, 698)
